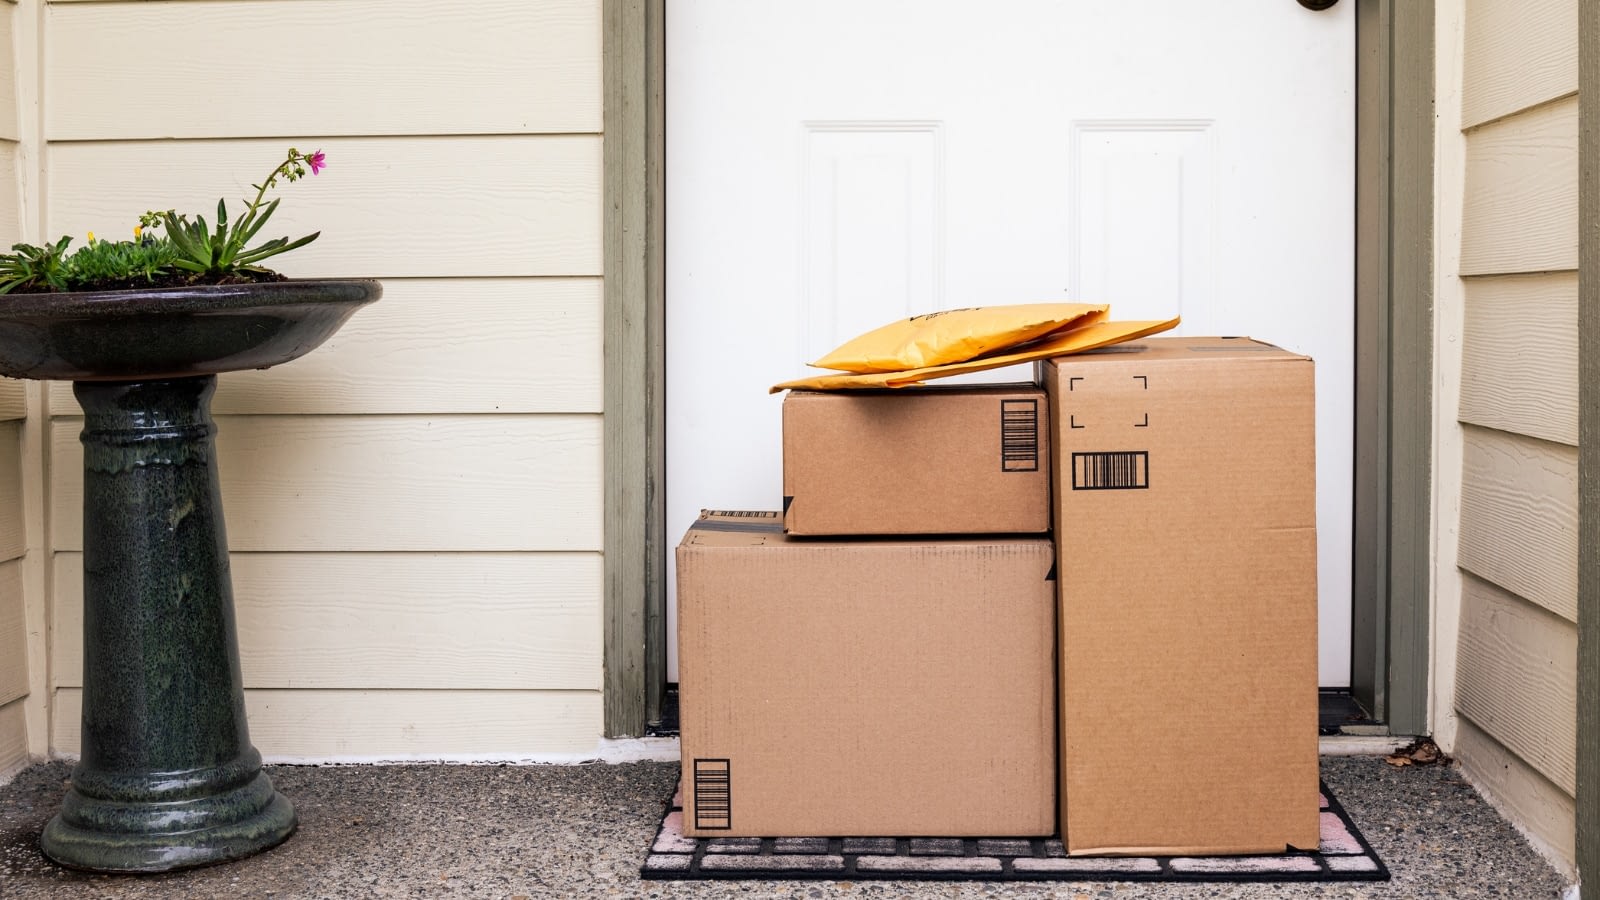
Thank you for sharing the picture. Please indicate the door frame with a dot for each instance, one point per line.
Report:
(1394, 349)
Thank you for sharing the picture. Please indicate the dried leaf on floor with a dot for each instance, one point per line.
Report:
(1420, 752)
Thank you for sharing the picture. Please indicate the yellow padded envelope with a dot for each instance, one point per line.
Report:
(1077, 340)
(956, 335)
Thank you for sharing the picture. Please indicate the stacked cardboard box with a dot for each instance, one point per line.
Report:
(1185, 522)
(882, 657)
(864, 688)
(930, 460)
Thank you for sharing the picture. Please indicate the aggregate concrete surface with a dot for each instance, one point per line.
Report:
(516, 833)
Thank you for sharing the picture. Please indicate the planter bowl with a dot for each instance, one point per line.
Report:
(172, 332)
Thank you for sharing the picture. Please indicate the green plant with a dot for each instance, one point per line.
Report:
(39, 267)
(144, 259)
(190, 252)
(221, 251)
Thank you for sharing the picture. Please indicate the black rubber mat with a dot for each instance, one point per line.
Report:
(1344, 855)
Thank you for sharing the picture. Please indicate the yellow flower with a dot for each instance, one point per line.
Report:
(91, 237)
(137, 232)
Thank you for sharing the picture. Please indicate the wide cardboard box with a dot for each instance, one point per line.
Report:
(1186, 533)
(924, 460)
(869, 687)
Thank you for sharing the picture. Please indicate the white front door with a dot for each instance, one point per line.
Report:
(836, 164)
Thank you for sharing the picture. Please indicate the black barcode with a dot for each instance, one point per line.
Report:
(1114, 470)
(1019, 435)
(713, 808)
(740, 514)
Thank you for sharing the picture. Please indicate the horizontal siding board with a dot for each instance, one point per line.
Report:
(13, 530)
(13, 636)
(1521, 197)
(1519, 517)
(9, 129)
(418, 67)
(385, 483)
(1517, 54)
(374, 621)
(397, 725)
(1517, 678)
(1519, 367)
(427, 207)
(13, 740)
(10, 196)
(1527, 798)
(13, 399)
(478, 345)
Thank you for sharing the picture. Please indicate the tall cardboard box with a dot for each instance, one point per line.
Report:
(873, 688)
(1185, 527)
(921, 460)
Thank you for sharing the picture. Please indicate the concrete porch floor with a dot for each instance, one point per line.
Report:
(581, 831)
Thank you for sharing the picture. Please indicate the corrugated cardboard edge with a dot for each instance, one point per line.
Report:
(1196, 850)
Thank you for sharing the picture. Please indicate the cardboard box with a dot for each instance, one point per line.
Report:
(873, 688)
(1186, 533)
(930, 460)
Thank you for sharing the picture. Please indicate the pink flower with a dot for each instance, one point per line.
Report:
(318, 161)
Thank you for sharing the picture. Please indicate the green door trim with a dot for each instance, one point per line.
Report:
(634, 433)
(1394, 351)
(1394, 252)
(1588, 800)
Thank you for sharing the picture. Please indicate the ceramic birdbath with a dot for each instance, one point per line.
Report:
(168, 778)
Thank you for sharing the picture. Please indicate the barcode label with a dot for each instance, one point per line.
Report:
(1114, 470)
(1019, 435)
(740, 514)
(713, 808)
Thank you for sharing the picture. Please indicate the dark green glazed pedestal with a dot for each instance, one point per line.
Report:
(168, 778)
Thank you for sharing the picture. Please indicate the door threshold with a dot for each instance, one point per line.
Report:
(1339, 716)
(1339, 712)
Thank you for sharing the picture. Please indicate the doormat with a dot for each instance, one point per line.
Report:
(1344, 855)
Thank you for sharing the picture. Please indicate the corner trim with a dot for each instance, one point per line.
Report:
(1394, 352)
(632, 237)
(1587, 855)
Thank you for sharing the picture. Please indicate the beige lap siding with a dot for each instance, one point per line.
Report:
(13, 740)
(1521, 206)
(1517, 54)
(1519, 517)
(9, 130)
(1520, 372)
(10, 204)
(1518, 678)
(17, 666)
(334, 67)
(400, 207)
(376, 621)
(14, 657)
(397, 725)
(385, 483)
(414, 509)
(13, 670)
(1516, 651)
(438, 345)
